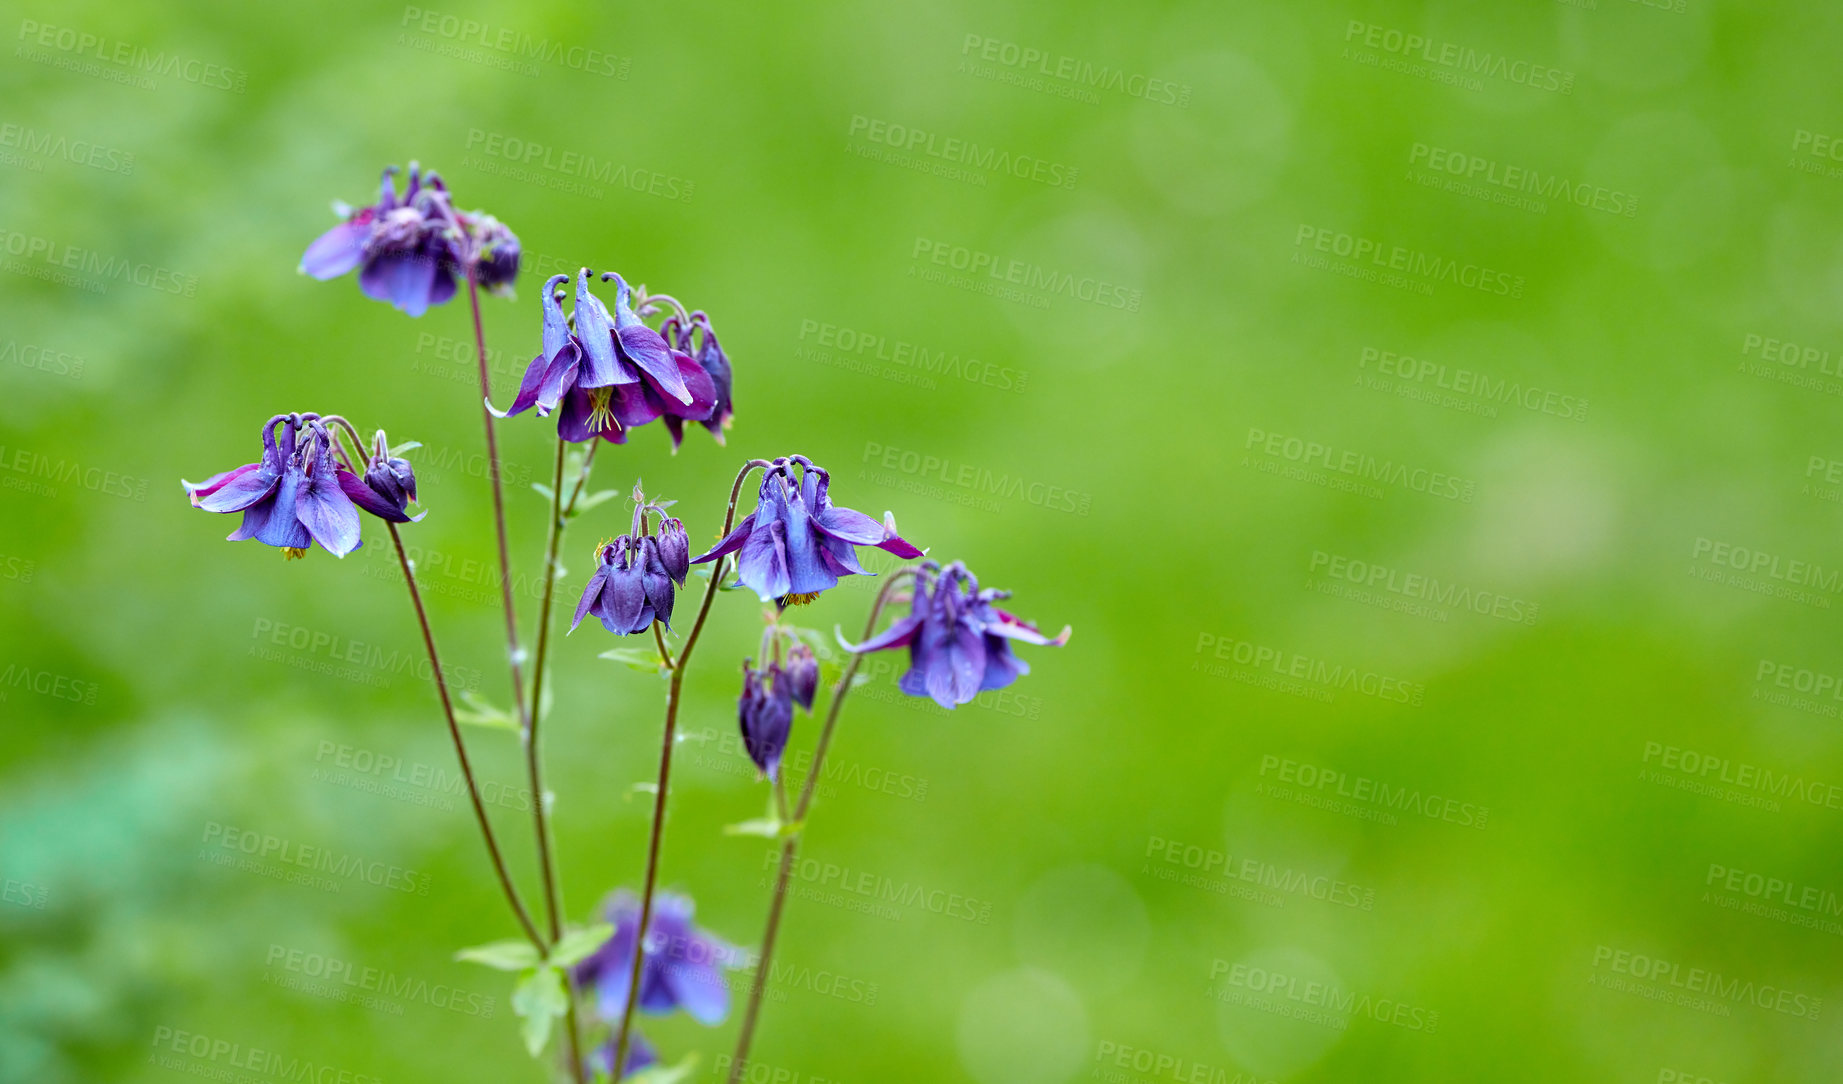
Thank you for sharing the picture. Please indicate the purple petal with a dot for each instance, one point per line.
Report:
(623, 599)
(731, 542)
(590, 593)
(899, 634)
(642, 347)
(763, 564)
(336, 251)
(528, 387)
(233, 491)
(402, 279)
(369, 499)
(595, 330)
(327, 513)
(851, 526)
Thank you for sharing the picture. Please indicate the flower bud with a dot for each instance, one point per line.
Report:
(802, 675)
(674, 550)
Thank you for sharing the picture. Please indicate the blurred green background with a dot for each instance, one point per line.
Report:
(1425, 414)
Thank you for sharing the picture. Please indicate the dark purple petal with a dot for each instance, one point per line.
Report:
(591, 594)
(556, 327)
(899, 634)
(623, 600)
(336, 251)
(697, 385)
(850, 526)
(763, 564)
(901, 548)
(528, 387)
(369, 499)
(233, 491)
(405, 280)
(326, 511)
(731, 542)
(595, 330)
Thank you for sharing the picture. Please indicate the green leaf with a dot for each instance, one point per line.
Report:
(583, 504)
(501, 955)
(406, 446)
(577, 945)
(480, 712)
(644, 659)
(543, 491)
(540, 998)
(765, 827)
(666, 1074)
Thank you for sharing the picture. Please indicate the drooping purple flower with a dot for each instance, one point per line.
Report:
(959, 642)
(295, 495)
(629, 588)
(766, 712)
(710, 357)
(388, 485)
(410, 248)
(802, 675)
(640, 1055)
(683, 968)
(797, 543)
(675, 550)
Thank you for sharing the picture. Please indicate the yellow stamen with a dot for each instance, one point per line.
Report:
(293, 553)
(801, 599)
(601, 418)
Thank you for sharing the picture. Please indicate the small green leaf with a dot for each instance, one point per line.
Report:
(666, 1074)
(765, 827)
(859, 678)
(480, 712)
(501, 955)
(600, 496)
(644, 659)
(542, 490)
(540, 998)
(577, 945)
(406, 446)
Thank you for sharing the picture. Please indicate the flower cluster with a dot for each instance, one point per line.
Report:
(410, 248)
(632, 585)
(604, 372)
(959, 642)
(305, 490)
(766, 708)
(683, 969)
(797, 543)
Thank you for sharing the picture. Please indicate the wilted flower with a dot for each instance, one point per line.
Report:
(766, 712)
(611, 372)
(797, 543)
(683, 968)
(959, 643)
(629, 588)
(410, 249)
(297, 494)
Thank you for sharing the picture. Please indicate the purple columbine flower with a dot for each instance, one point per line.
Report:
(797, 543)
(610, 372)
(959, 642)
(685, 339)
(629, 588)
(297, 494)
(675, 550)
(802, 675)
(640, 1055)
(411, 248)
(766, 712)
(683, 968)
(389, 484)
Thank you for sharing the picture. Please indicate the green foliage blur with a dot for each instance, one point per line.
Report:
(1425, 414)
